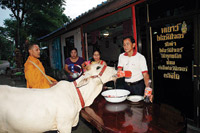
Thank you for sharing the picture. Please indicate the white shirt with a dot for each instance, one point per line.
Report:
(136, 64)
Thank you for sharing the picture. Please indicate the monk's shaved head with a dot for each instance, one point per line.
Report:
(34, 50)
(30, 46)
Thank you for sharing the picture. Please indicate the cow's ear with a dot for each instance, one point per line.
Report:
(83, 82)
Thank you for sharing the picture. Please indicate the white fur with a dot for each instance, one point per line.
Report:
(24, 110)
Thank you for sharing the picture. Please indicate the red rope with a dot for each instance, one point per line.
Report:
(78, 91)
(79, 95)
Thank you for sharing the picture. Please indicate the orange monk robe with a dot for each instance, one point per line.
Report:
(34, 78)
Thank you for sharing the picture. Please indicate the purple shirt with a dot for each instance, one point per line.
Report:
(78, 62)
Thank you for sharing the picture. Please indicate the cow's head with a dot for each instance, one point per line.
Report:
(102, 72)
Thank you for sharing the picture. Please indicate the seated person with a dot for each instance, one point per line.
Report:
(74, 65)
(97, 58)
(32, 70)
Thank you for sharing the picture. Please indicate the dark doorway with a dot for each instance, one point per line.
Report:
(69, 41)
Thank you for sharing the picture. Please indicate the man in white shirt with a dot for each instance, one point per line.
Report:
(133, 61)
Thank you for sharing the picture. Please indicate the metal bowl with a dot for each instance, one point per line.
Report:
(115, 95)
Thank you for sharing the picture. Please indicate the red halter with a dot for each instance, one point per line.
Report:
(79, 95)
(79, 92)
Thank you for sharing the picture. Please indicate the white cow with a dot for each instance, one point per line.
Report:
(24, 110)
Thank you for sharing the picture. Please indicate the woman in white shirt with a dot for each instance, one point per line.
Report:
(97, 58)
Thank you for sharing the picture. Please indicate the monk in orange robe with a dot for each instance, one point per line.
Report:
(34, 77)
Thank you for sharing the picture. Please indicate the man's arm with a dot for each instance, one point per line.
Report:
(119, 67)
(146, 79)
(54, 81)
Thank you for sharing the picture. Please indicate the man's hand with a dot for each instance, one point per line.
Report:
(120, 74)
(148, 92)
(54, 83)
(150, 98)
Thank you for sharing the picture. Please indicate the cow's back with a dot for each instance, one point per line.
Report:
(23, 107)
(27, 109)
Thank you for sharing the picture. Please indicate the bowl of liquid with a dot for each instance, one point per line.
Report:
(115, 95)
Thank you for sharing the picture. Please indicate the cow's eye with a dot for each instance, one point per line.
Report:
(98, 67)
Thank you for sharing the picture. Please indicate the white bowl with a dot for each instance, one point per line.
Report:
(115, 95)
(135, 98)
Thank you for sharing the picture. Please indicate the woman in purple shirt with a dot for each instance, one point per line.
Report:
(74, 65)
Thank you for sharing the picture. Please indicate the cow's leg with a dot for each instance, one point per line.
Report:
(76, 120)
(64, 127)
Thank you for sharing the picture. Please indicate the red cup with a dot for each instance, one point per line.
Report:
(126, 74)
